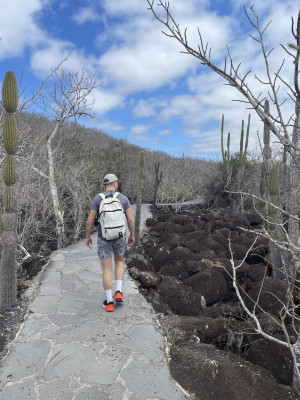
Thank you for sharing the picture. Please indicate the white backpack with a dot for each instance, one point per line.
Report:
(111, 217)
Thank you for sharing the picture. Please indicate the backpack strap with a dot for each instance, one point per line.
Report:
(116, 194)
(102, 195)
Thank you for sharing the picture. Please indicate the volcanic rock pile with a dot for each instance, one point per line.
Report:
(183, 268)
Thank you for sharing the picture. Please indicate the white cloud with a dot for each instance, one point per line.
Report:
(145, 66)
(139, 129)
(110, 126)
(145, 59)
(105, 100)
(86, 14)
(55, 51)
(148, 107)
(200, 113)
(165, 132)
(140, 132)
(18, 27)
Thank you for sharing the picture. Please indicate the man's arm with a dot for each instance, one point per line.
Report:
(89, 227)
(130, 223)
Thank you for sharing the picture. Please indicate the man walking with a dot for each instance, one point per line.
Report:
(109, 248)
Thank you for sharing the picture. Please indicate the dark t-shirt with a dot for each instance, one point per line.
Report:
(97, 200)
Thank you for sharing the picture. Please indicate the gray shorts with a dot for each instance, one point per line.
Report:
(108, 248)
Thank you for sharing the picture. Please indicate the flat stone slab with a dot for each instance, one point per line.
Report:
(45, 304)
(27, 361)
(145, 339)
(146, 380)
(33, 329)
(21, 390)
(49, 390)
(70, 348)
(70, 359)
(108, 366)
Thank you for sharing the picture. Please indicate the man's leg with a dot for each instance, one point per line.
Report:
(106, 278)
(105, 253)
(119, 268)
(106, 271)
(119, 275)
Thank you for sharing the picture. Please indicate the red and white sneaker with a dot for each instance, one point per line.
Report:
(118, 297)
(109, 307)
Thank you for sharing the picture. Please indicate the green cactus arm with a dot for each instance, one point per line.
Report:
(1, 225)
(10, 92)
(9, 170)
(222, 138)
(228, 146)
(10, 134)
(273, 182)
(262, 187)
(241, 144)
(246, 140)
(266, 127)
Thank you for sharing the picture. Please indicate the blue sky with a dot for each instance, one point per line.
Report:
(150, 93)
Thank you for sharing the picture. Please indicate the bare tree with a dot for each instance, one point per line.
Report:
(285, 128)
(65, 98)
(182, 182)
(288, 318)
(139, 198)
(276, 121)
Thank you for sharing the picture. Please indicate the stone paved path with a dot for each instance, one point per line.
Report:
(70, 348)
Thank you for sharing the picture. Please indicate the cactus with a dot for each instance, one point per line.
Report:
(120, 164)
(266, 136)
(265, 170)
(158, 179)
(243, 150)
(8, 265)
(226, 153)
(274, 182)
(1, 225)
(10, 134)
(269, 179)
(262, 181)
(10, 92)
(262, 187)
(9, 200)
(9, 170)
(235, 165)
(273, 188)
(139, 199)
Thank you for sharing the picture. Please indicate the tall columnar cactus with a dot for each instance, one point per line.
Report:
(243, 149)
(269, 180)
(121, 164)
(242, 155)
(273, 187)
(227, 161)
(139, 199)
(158, 179)
(235, 166)
(8, 265)
(265, 170)
(293, 203)
(262, 181)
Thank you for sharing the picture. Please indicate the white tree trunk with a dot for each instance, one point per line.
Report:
(59, 217)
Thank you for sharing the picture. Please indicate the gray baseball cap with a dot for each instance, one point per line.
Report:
(110, 178)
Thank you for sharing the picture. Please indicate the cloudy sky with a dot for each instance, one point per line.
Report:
(150, 94)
